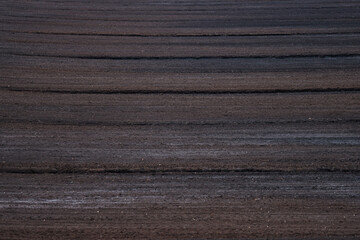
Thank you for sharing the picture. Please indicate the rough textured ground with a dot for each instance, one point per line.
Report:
(180, 119)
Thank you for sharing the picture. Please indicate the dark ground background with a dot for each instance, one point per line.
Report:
(180, 119)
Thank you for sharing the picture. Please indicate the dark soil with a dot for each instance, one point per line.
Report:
(180, 119)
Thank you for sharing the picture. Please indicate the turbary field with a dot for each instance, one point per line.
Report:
(164, 119)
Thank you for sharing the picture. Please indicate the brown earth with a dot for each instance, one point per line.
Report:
(180, 119)
(181, 205)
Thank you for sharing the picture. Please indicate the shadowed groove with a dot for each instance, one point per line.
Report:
(166, 171)
(183, 92)
(179, 35)
(172, 123)
(189, 57)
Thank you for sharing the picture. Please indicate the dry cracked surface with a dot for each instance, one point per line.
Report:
(180, 119)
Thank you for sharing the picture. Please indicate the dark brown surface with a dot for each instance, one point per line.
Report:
(188, 205)
(180, 119)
